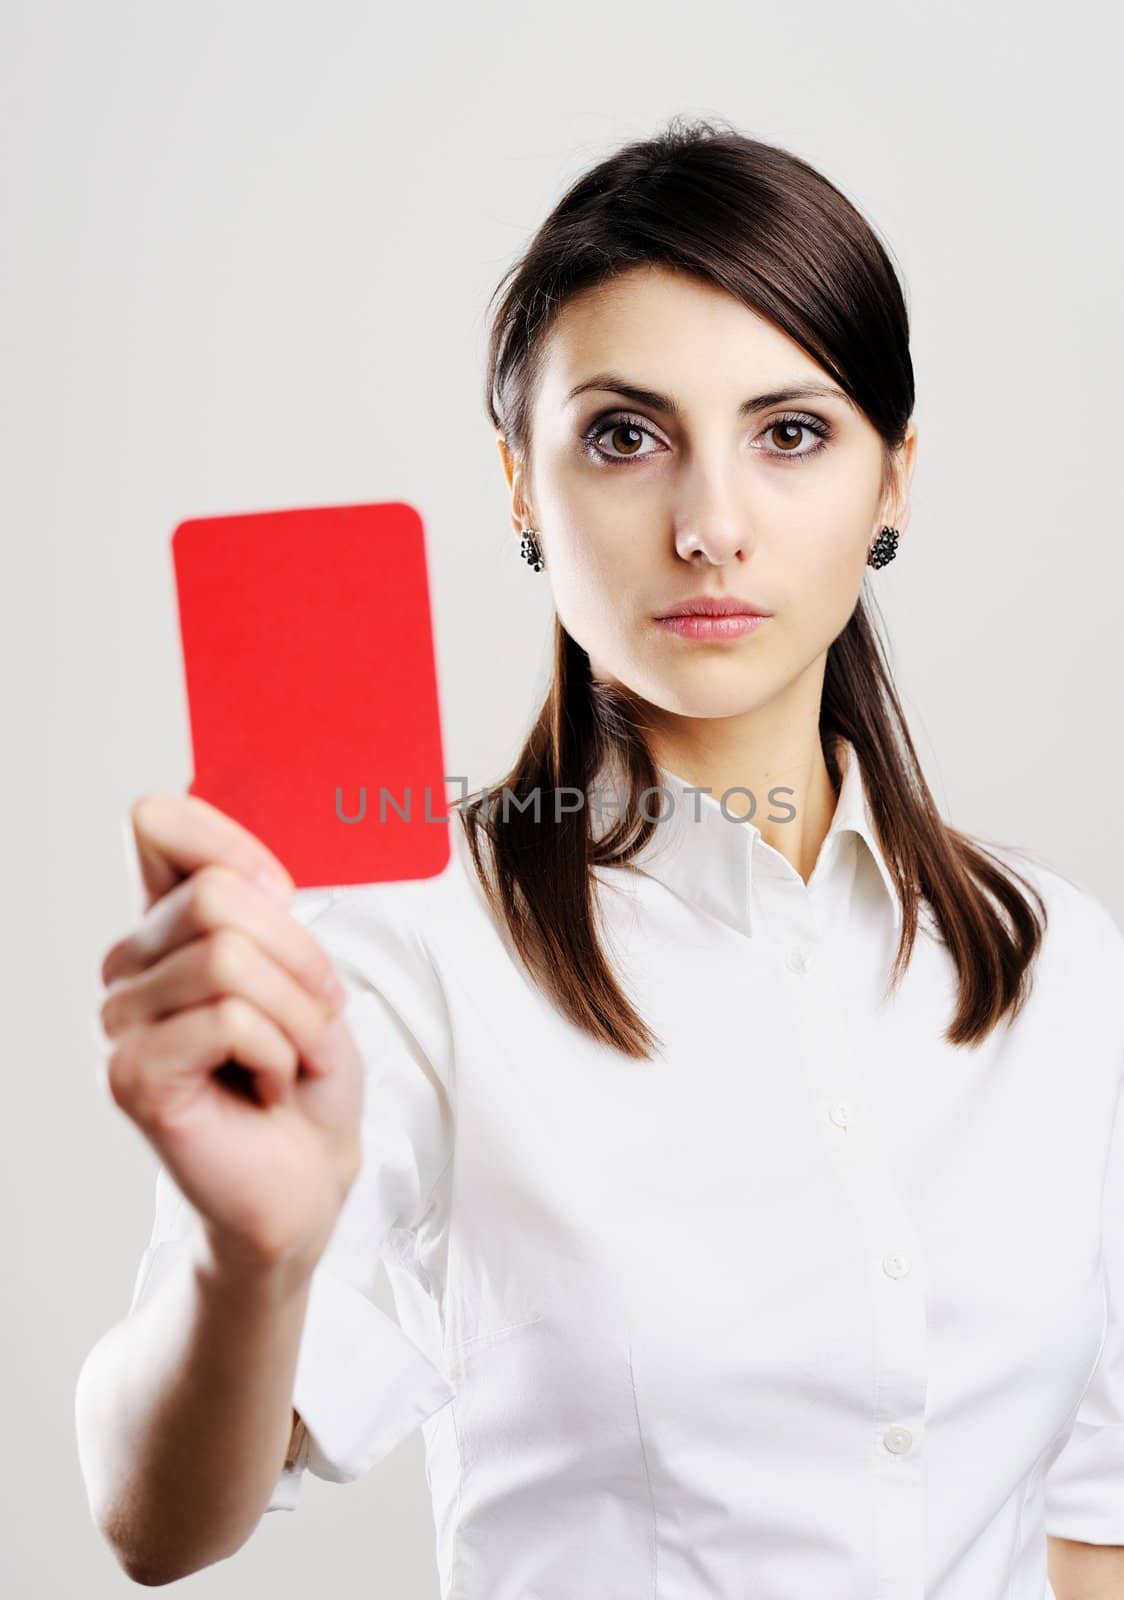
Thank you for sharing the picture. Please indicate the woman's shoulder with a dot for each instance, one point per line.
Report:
(1079, 921)
(383, 940)
(394, 917)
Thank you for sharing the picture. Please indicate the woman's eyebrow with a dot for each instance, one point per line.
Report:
(616, 384)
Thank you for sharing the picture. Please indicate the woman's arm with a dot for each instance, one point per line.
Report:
(1085, 1571)
(184, 1414)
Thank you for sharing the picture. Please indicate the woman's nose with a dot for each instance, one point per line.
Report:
(711, 517)
(718, 539)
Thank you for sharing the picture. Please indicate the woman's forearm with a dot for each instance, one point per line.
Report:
(1085, 1571)
(184, 1413)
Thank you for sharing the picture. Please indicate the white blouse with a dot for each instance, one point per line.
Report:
(812, 1304)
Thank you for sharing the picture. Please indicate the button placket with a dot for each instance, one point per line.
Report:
(833, 1058)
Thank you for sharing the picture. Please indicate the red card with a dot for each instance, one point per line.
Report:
(312, 687)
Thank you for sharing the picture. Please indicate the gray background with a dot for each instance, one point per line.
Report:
(246, 250)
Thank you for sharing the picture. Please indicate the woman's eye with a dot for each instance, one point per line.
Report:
(787, 438)
(625, 435)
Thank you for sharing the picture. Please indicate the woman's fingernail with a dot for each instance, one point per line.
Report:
(273, 883)
(327, 1047)
(333, 990)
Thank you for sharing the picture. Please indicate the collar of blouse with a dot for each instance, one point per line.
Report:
(707, 855)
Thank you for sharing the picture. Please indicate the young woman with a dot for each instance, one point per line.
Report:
(736, 1132)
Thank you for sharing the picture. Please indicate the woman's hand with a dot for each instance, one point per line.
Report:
(227, 1050)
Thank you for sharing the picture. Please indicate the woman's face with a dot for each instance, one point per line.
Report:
(638, 508)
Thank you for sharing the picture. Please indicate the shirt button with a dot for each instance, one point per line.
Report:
(897, 1440)
(895, 1266)
(840, 1114)
(797, 961)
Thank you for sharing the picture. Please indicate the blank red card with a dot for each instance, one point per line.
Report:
(312, 687)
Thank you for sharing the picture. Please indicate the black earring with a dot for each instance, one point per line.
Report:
(884, 548)
(530, 549)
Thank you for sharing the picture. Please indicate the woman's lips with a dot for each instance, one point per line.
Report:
(699, 626)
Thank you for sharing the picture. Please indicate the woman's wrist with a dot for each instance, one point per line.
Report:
(229, 1269)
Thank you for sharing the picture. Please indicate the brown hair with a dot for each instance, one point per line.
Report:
(762, 224)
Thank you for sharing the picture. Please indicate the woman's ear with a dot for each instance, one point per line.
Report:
(514, 475)
(901, 479)
(506, 458)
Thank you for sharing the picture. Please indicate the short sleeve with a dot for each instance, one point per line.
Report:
(1084, 1486)
(361, 1385)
